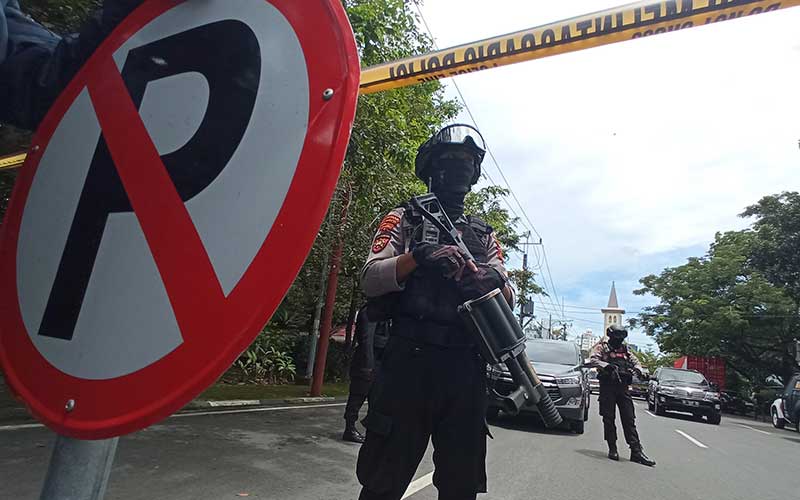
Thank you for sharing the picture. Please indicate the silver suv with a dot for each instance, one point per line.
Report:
(555, 362)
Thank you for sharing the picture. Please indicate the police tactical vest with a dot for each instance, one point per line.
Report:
(619, 358)
(429, 298)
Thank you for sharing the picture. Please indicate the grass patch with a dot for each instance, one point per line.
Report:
(224, 392)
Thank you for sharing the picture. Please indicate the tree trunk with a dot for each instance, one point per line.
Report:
(330, 302)
(327, 321)
(314, 334)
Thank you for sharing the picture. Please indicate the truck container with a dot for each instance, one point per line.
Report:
(713, 367)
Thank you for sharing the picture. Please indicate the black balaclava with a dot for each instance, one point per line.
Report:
(451, 180)
(616, 336)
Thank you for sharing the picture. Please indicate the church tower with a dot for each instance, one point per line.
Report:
(612, 314)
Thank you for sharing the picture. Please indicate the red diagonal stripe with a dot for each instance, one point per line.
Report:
(191, 283)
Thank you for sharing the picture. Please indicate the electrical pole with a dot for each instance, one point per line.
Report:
(524, 274)
(525, 298)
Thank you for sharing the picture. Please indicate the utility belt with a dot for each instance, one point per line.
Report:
(625, 378)
(429, 332)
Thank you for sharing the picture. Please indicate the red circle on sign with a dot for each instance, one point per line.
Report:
(215, 328)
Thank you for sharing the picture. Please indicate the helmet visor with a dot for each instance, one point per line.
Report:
(460, 134)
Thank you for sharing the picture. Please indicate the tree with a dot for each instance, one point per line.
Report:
(485, 203)
(724, 302)
(652, 360)
(377, 174)
(777, 240)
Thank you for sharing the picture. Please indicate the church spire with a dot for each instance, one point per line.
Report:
(612, 298)
(613, 313)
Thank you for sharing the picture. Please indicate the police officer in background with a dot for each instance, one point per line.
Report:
(616, 365)
(432, 381)
(370, 340)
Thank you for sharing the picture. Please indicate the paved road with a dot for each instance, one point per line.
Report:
(295, 454)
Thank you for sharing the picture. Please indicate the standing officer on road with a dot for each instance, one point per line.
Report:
(370, 340)
(616, 365)
(432, 380)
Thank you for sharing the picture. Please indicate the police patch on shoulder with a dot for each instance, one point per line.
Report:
(380, 243)
(388, 223)
(499, 249)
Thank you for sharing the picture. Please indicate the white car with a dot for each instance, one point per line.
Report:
(776, 410)
(786, 409)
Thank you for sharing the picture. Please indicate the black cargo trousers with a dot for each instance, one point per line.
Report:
(613, 395)
(425, 392)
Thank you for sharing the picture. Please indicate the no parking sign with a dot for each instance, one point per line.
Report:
(167, 203)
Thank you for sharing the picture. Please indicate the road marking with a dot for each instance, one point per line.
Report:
(690, 438)
(648, 412)
(754, 429)
(418, 484)
(17, 427)
(199, 414)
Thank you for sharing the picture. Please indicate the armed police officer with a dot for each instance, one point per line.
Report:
(370, 340)
(616, 366)
(431, 384)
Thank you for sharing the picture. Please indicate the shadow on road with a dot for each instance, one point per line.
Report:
(796, 440)
(600, 455)
(527, 423)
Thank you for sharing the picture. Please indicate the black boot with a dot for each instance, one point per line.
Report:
(613, 454)
(351, 433)
(638, 456)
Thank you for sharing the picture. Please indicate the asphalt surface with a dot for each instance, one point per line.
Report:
(296, 454)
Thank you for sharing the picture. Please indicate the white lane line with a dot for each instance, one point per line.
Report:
(690, 438)
(418, 484)
(199, 414)
(17, 427)
(648, 412)
(754, 429)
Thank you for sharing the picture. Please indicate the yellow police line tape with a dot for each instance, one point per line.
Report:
(618, 24)
(12, 161)
(627, 22)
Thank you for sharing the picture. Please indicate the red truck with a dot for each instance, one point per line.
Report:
(713, 367)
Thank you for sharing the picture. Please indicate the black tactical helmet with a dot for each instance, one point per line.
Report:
(461, 136)
(616, 331)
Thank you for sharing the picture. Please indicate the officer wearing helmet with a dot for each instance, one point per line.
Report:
(431, 384)
(616, 366)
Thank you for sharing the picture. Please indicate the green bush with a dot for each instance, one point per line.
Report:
(268, 360)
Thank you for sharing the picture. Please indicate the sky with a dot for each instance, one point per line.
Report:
(628, 158)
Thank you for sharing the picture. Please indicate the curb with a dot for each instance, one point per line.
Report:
(199, 404)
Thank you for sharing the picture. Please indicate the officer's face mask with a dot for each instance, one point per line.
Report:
(615, 341)
(451, 180)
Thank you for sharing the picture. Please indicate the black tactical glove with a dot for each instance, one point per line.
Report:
(447, 260)
(477, 284)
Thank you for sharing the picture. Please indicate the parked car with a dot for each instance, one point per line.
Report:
(594, 382)
(555, 362)
(638, 388)
(675, 389)
(733, 402)
(786, 409)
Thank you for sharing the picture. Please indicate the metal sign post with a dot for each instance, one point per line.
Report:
(79, 469)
